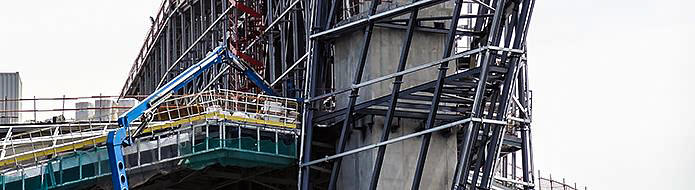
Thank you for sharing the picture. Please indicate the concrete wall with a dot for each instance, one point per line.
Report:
(400, 160)
(382, 59)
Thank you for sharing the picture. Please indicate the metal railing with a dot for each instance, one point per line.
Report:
(46, 140)
(194, 138)
(512, 176)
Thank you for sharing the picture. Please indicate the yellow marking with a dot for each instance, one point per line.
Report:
(102, 139)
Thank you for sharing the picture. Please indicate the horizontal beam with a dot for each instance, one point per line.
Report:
(402, 138)
(379, 16)
(404, 72)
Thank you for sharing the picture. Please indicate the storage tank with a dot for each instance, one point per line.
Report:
(103, 111)
(83, 113)
(10, 89)
(124, 105)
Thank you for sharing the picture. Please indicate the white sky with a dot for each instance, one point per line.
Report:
(611, 79)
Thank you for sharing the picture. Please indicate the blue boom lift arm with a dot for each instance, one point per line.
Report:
(122, 137)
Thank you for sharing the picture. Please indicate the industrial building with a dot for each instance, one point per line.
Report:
(341, 94)
(10, 88)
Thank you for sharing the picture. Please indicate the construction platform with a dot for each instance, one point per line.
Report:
(222, 131)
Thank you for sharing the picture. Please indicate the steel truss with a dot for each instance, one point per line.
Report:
(487, 102)
(492, 99)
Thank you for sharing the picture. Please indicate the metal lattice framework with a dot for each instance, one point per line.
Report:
(491, 97)
(487, 101)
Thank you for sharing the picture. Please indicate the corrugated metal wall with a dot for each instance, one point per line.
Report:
(10, 88)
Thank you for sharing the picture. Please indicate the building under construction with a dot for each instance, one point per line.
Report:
(344, 94)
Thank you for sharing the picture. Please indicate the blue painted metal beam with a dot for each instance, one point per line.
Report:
(116, 139)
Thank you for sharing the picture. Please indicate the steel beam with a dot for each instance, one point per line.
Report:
(486, 130)
(345, 130)
(424, 147)
(398, 80)
(493, 39)
(378, 17)
(311, 83)
(401, 138)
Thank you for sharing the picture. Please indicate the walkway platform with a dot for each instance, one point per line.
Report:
(195, 141)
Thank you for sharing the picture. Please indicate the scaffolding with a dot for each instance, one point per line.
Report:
(477, 91)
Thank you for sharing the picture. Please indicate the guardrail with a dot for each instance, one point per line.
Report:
(46, 140)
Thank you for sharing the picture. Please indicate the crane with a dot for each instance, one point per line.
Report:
(122, 136)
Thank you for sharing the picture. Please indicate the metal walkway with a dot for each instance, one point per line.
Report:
(222, 127)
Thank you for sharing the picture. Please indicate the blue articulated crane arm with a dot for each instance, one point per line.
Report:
(123, 137)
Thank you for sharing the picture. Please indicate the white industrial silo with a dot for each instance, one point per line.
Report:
(103, 111)
(124, 105)
(10, 89)
(83, 113)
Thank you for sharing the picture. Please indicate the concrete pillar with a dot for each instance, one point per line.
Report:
(400, 159)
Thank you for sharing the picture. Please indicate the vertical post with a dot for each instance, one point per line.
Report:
(35, 109)
(63, 113)
(23, 180)
(96, 152)
(504, 167)
(223, 134)
(192, 138)
(310, 88)
(159, 148)
(271, 39)
(513, 165)
(60, 170)
(354, 93)
(137, 149)
(178, 144)
(405, 50)
(295, 50)
(239, 135)
(79, 165)
(207, 135)
(224, 24)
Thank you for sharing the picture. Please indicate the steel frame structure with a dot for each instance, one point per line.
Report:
(292, 43)
(497, 80)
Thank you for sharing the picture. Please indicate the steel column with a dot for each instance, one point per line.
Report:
(310, 91)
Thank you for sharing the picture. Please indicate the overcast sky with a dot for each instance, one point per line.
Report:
(612, 80)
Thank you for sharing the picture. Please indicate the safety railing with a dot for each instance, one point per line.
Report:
(548, 183)
(264, 109)
(47, 140)
(196, 141)
(512, 176)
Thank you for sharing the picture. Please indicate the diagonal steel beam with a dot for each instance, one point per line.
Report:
(344, 133)
(511, 76)
(477, 111)
(424, 147)
(412, 22)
